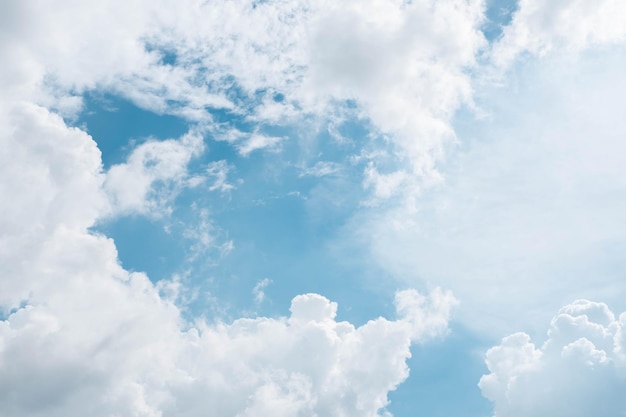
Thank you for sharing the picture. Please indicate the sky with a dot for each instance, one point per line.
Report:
(356, 208)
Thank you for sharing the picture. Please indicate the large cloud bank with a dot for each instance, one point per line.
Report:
(82, 336)
(530, 215)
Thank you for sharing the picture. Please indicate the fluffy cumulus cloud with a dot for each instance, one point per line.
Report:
(403, 64)
(81, 335)
(579, 371)
(51, 186)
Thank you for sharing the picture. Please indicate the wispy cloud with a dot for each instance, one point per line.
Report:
(258, 290)
(156, 171)
(256, 142)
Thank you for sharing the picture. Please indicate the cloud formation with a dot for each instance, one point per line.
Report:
(525, 212)
(532, 200)
(81, 335)
(578, 371)
(403, 64)
(541, 28)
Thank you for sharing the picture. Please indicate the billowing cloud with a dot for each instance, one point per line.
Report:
(405, 64)
(530, 205)
(578, 371)
(51, 185)
(80, 335)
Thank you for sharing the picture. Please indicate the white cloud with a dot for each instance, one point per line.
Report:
(428, 315)
(321, 169)
(154, 174)
(218, 171)
(258, 290)
(529, 214)
(402, 63)
(50, 184)
(114, 347)
(205, 237)
(578, 371)
(82, 336)
(258, 141)
(542, 27)
(384, 185)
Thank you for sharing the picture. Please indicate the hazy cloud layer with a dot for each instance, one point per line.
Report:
(529, 216)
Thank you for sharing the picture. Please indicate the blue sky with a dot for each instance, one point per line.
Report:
(359, 208)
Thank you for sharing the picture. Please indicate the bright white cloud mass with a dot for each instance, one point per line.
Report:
(579, 370)
(171, 175)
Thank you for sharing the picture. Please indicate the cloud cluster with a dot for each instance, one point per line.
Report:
(402, 64)
(81, 335)
(535, 200)
(544, 27)
(578, 371)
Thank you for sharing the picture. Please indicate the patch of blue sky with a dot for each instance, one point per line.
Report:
(145, 245)
(280, 219)
(277, 240)
(283, 222)
(167, 56)
(498, 14)
(443, 378)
